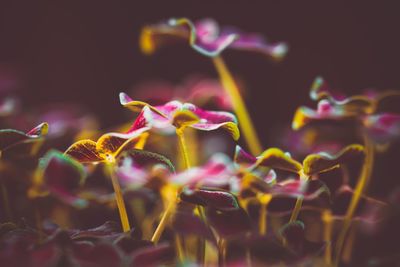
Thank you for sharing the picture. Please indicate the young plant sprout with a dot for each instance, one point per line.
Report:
(107, 148)
(207, 38)
(179, 116)
(374, 128)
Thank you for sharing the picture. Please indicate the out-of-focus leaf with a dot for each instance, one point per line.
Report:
(17, 144)
(186, 223)
(162, 254)
(341, 201)
(102, 254)
(62, 176)
(314, 193)
(206, 37)
(108, 230)
(144, 158)
(277, 159)
(316, 163)
(219, 200)
(228, 223)
(382, 127)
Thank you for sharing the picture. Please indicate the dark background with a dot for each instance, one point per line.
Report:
(87, 51)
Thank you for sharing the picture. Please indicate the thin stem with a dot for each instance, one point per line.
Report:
(262, 220)
(201, 251)
(6, 203)
(327, 220)
(183, 147)
(264, 201)
(348, 247)
(299, 201)
(179, 248)
(361, 186)
(239, 106)
(296, 210)
(221, 252)
(191, 138)
(119, 198)
(171, 206)
(163, 222)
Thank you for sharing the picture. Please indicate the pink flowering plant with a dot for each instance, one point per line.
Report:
(159, 191)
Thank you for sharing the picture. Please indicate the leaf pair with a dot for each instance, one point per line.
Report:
(175, 115)
(362, 109)
(313, 164)
(107, 147)
(206, 37)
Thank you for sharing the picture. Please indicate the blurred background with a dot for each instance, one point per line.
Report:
(86, 52)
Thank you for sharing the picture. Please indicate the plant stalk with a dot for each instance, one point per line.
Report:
(239, 106)
(163, 222)
(361, 186)
(299, 201)
(327, 220)
(183, 147)
(264, 201)
(171, 206)
(119, 199)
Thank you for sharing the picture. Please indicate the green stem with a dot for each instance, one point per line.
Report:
(361, 186)
(239, 106)
(119, 198)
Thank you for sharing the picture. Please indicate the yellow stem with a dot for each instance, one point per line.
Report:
(264, 201)
(239, 106)
(296, 210)
(327, 220)
(262, 220)
(221, 252)
(361, 186)
(179, 248)
(299, 201)
(191, 138)
(119, 198)
(168, 212)
(163, 222)
(348, 247)
(201, 252)
(183, 147)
